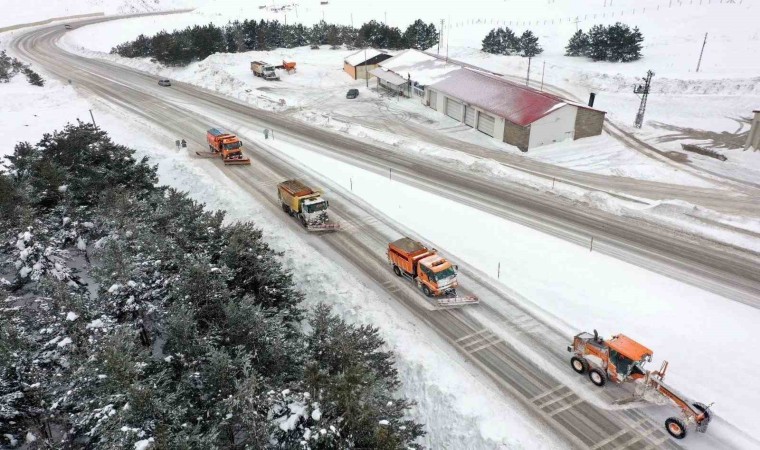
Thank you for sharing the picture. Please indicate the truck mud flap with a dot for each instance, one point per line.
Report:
(451, 302)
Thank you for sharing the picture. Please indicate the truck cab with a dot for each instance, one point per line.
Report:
(619, 359)
(434, 275)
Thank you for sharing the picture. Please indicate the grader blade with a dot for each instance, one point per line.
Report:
(323, 227)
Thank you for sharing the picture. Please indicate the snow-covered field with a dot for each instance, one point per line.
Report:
(459, 409)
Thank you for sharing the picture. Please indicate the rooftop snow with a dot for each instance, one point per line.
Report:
(423, 68)
(359, 57)
(517, 103)
(388, 76)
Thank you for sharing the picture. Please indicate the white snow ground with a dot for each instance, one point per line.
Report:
(458, 408)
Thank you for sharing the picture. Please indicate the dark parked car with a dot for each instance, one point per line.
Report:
(352, 93)
(164, 82)
(67, 26)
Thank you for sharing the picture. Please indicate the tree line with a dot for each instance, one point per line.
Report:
(133, 317)
(614, 43)
(195, 43)
(503, 41)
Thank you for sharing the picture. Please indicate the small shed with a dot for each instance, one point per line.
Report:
(358, 65)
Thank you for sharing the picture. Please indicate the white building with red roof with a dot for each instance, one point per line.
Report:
(511, 112)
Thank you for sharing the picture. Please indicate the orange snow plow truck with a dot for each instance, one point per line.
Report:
(434, 275)
(226, 145)
(306, 204)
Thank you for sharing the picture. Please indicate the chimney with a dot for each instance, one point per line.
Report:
(591, 98)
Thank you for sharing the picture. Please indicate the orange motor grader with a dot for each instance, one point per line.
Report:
(620, 360)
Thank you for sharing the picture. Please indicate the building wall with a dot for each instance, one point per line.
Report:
(499, 127)
(349, 69)
(363, 72)
(557, 126)
(753, 139)
(516, 135)
(588, 123)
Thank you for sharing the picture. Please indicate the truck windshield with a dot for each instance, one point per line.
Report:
(442, 275)
(321, 206)
(232, 146)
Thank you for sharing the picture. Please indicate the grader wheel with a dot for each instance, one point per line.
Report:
(675, 427)
(579, 364)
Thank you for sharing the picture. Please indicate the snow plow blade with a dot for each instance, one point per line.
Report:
(324, 227)
(446, 302)
(237, 162)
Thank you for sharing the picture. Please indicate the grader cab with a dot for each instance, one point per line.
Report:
(620, 360)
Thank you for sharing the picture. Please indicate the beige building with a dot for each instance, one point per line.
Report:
(359, 64)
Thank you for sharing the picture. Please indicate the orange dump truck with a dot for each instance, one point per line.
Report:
(433, 274)
(226, 145)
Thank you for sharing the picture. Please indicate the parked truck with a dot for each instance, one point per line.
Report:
(433, 274)
(306, 204)
(264, 70)
(225, 145)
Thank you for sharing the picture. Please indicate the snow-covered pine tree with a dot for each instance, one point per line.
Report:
(529, 44)
(420, 36)
(578, 45)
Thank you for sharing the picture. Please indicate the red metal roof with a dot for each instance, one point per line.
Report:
(515, 102)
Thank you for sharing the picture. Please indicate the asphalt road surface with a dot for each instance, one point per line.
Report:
(582, 416)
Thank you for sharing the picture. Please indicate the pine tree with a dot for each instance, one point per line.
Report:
(492, 42)
(529, 44)
(598, 46)
(420, 36)
(630, 47)
(510, 42)
(578, 44)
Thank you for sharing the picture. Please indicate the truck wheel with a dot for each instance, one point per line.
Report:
(597, 377)
(675, 427)
(396, 270)
(579, 364)
(703, 409)
(426, 290)
(303, 220)
(211, 147)
(286, 208)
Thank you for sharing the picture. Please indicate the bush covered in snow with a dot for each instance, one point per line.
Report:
(131, 317)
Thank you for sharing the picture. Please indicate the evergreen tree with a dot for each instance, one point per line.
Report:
(492, 43)
(420, 36)
(578, 44)
(630, 47)
(529, 44)
(598, 46)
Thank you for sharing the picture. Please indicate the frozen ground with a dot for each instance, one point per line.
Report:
(459, 409)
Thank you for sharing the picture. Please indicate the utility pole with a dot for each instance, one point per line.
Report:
(440, 33)
(576, 23)
(699, 63)
(93, 118)
(527, 77)
(644, 91)
(542, 76)
(366, 75)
